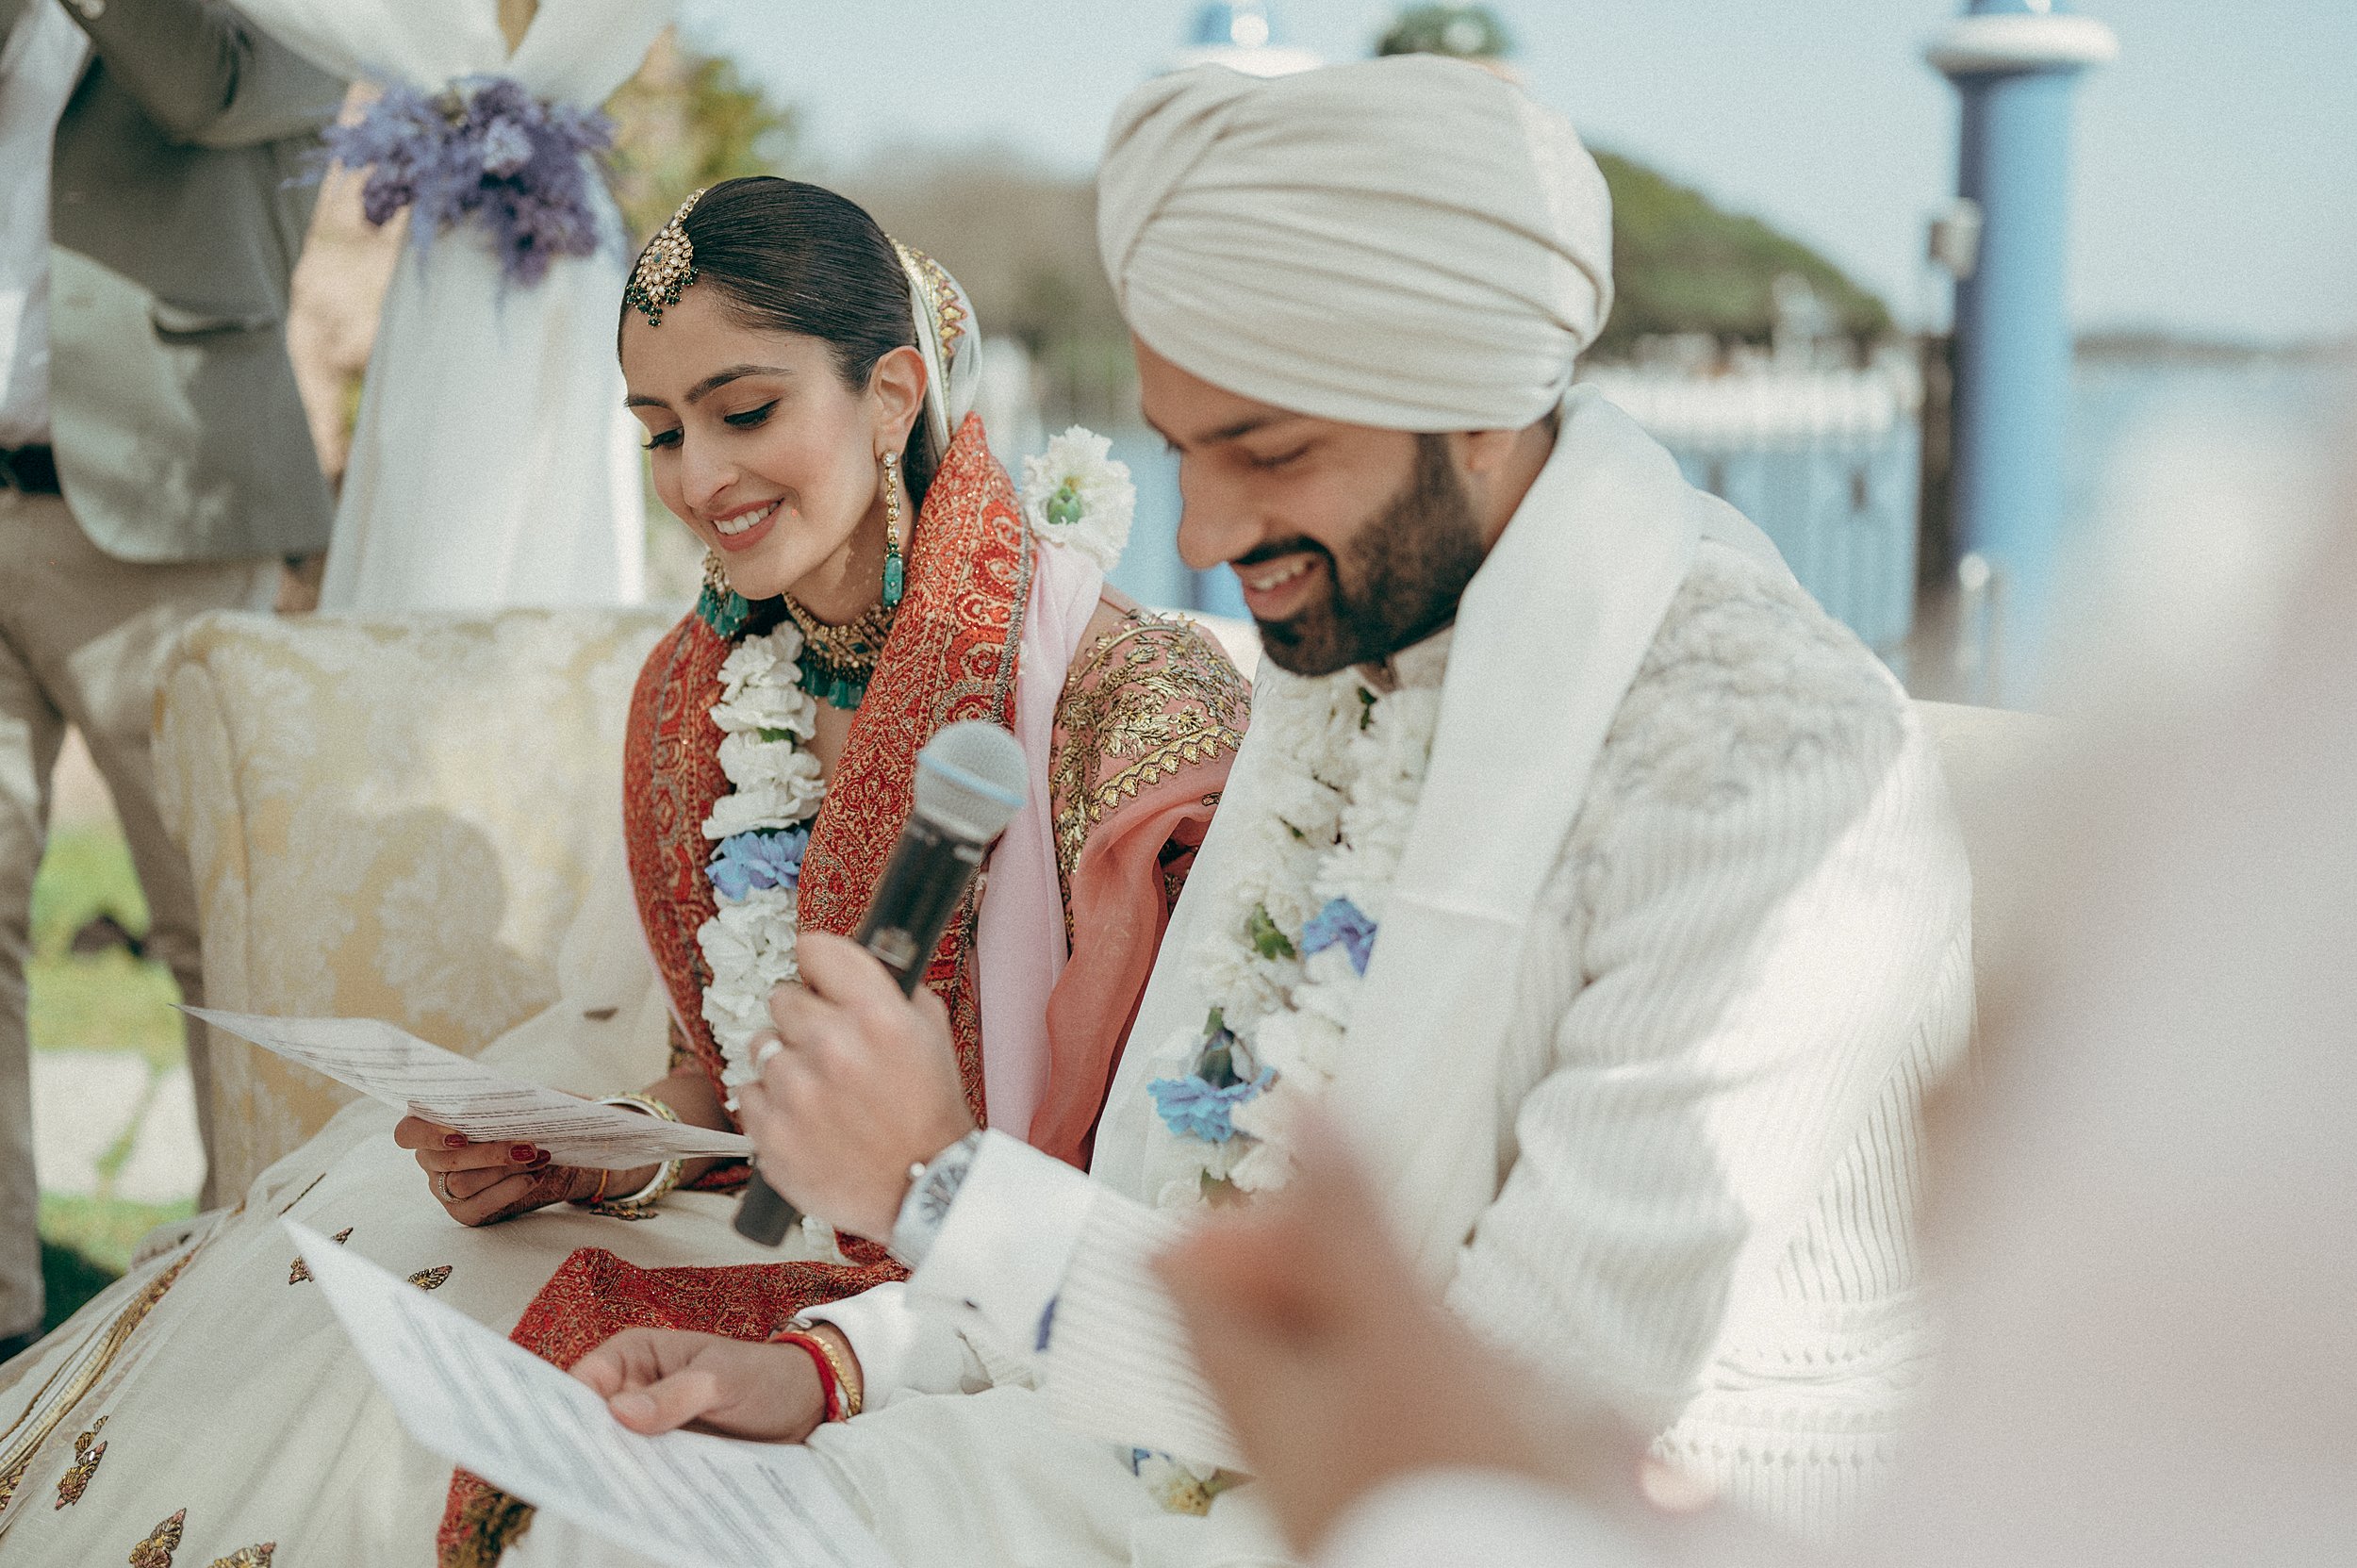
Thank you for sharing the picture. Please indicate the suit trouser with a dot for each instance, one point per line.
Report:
(82, 640)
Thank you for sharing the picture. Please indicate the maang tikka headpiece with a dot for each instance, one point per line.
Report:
(666, 267)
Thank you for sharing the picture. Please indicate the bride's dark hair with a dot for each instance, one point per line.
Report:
(787, 256)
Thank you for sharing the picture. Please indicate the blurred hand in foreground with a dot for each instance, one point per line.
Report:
(1339, 1371)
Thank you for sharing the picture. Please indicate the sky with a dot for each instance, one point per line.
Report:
(2215, 163)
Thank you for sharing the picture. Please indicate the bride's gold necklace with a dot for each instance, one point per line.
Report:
(837, 662)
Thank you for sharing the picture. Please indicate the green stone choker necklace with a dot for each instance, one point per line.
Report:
(837, 662)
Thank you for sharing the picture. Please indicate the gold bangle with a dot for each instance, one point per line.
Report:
(854, 1390)
(633, 1100)
(666, 1174)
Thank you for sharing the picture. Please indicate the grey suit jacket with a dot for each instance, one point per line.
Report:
(174, 231)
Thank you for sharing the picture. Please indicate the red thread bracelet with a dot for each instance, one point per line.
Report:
(830, 1390)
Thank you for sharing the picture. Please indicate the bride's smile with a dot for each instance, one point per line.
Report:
(747, 527)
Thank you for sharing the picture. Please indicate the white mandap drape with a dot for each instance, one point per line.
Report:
(493, 465)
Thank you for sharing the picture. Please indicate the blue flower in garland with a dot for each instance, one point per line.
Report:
(1193, 1108)
(762, 858)
(1342, 924)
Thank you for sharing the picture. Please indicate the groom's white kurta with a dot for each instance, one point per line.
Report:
(1678, 1166)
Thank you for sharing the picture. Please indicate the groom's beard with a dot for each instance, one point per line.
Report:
(1398, 581)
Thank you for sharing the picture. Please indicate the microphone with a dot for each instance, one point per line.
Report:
(970, 782)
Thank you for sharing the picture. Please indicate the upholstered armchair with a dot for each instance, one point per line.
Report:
(391, 818)
(397, 818)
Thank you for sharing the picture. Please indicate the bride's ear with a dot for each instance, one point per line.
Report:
(896, 392)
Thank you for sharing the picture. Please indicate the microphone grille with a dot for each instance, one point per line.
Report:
(971, 780)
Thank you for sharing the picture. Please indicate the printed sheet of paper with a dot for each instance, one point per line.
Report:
(473, 1398)
(396, 1068)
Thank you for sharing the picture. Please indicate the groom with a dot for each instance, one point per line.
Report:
(1599, 888)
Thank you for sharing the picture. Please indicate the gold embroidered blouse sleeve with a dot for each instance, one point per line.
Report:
(1149, 697)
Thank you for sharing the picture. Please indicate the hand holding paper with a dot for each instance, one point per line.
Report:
(401, 1071)
(477, 1400)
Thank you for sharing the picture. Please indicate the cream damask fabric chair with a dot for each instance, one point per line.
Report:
(391, 818)
(397, 818)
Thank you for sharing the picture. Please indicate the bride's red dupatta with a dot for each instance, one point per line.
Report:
(952, 656)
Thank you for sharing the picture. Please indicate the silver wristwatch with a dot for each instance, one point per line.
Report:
(932, 1188)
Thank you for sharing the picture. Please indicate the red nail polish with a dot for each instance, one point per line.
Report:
(521, 1153)
(541, 1160)
(455, 1140)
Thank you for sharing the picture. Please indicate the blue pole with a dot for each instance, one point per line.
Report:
(2015, 63)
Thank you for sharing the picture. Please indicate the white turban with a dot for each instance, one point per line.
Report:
(1410, 243)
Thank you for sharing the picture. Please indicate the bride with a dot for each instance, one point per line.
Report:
(805, 383)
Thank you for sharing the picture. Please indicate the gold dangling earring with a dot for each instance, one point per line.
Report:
(895, 571)
(720, 605)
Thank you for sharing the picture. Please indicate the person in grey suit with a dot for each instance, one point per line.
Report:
(155, 463)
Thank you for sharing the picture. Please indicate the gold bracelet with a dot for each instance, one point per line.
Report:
(633, 1100)
(853, 1392)
(666, 1174)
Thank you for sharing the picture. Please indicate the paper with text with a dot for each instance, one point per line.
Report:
(475, 1399)
(389, 1064)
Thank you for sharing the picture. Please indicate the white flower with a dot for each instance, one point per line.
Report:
(788, 709)
(752, 763)
(1076, 493)
(1337, 780)
(772, 804)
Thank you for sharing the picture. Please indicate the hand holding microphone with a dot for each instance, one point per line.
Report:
(867, 1081)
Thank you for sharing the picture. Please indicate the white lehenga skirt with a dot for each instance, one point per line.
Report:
(211, 1391)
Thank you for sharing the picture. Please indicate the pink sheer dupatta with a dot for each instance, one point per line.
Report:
(1019, 934)
(1054, 1015)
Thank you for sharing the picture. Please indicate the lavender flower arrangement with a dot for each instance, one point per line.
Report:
(484, 151)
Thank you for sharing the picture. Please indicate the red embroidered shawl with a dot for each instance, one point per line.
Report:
(952, 656)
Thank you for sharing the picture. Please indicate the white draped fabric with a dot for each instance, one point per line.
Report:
(493, 465)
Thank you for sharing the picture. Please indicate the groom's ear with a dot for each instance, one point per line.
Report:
(895, 387)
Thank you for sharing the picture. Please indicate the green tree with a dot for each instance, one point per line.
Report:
(1466, 32)
(1683, 264)
(686, 120)
(1680, 263)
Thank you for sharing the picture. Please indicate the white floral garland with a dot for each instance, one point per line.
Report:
(1282, 961)
(765, 718)
(1075, 494)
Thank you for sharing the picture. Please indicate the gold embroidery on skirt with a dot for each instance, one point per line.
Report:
(255, 1555)
(299, 1196)
(430, 1278)
(81, 1371)
(87, 1453)
(155, 1551)
(299, 1271)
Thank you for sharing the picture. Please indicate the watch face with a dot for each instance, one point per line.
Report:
(931, 1191)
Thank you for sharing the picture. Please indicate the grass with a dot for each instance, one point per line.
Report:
(107, 1002)
(86, 1243)
(96, 1001)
